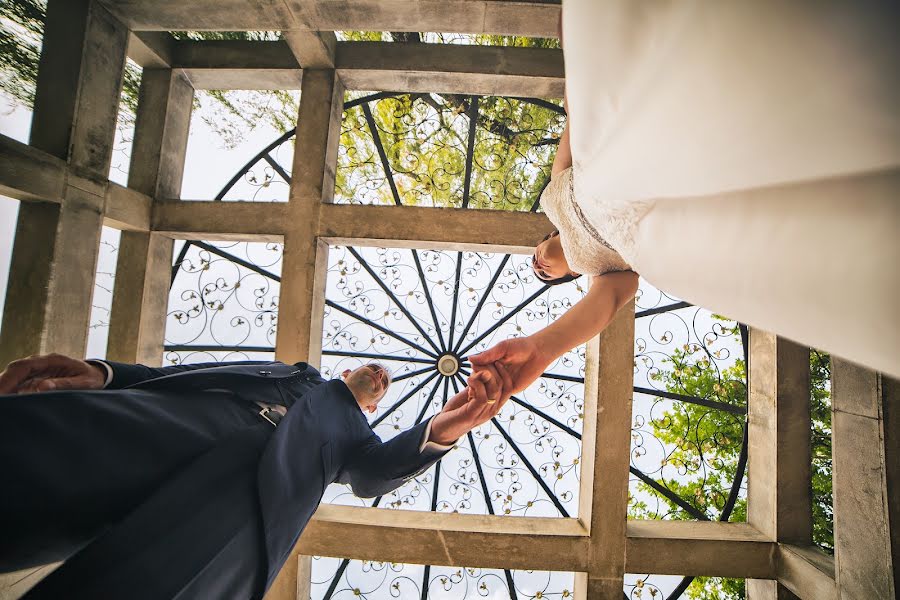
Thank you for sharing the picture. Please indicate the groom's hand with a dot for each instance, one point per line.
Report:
(50, 372)
(522, 359)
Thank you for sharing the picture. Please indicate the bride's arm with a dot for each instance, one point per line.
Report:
(563, 158)
(526, 358)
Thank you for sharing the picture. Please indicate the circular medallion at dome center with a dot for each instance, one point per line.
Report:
(447, 365)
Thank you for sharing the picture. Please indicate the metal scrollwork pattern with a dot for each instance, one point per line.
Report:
(446, 150)
(267, 176)
(412, 308)
(689, 411)
(223, 303)
(421, 149)
(375, 580)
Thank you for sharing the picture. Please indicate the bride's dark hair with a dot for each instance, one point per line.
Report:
(559, 280)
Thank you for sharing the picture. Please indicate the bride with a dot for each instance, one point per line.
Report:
(742, 158)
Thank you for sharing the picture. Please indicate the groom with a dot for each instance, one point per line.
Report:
(192, 480)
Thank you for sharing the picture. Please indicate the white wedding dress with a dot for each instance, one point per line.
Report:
(745, 156)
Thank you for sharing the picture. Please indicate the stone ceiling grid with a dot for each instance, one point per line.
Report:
(738, 550)
(501, 17)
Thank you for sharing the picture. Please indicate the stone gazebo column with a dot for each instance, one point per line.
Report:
(866, 453)
(51, 278)
(137, 321)
(312, 183)
(779, 502)
(302, 297)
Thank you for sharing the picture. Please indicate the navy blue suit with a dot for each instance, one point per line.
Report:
(167, 485)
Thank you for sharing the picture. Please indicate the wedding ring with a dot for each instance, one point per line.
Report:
(491, 401)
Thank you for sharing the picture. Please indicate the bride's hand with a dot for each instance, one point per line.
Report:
(521, 357)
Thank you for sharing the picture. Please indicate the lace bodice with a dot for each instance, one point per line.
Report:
(586, 248)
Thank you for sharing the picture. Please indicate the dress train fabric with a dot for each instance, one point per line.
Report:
(746, 157)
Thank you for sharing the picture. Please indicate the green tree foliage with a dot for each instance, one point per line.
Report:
(699, 436)
(425, 139)
(21, 29)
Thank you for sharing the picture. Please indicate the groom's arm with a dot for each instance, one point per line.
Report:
(380, 467)
(121, 375)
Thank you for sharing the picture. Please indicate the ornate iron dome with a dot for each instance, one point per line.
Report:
(423, 312)
(425, 150)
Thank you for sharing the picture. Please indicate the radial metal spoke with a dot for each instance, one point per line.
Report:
(237, 260)
(427, 404)
(481, 302)
(731, 408)
(180, 259)
(400, 402)
(537, 201)
(484, 489)
(470, 150)
(428, 299)
(506, 318)
(427, 361)
(437, 471)
(511, 584)
(528, 465)
(545, 416)
(375, 325)
(738, 478)
(571, 378)
(376, 137)
(393, 298)
(256, 158)
(413, 374)
(278, 169)
(343, 565)
(538, 412)
(455, 298)
(669, 494)
(661, 309)
(531, 468)
(679, 589)
(425, 576)
(337, 578)
(370, 98)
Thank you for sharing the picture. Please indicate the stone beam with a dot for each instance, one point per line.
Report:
(79, 81)
(241, 221)
(161, 133)
(486, 70)
(432, 227)
(54, 257)
(446, 539)
(140, 298)
(606, 439)
(665, 547)
(503, 17)
(312, 49)
(865, 444)
(779, 502)
(393, 226)
(27, 173)
(237, 64)
(151, 49)
(698, 548)
(806, 571)
(200, 15)
(312, 183)
(126, 208)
